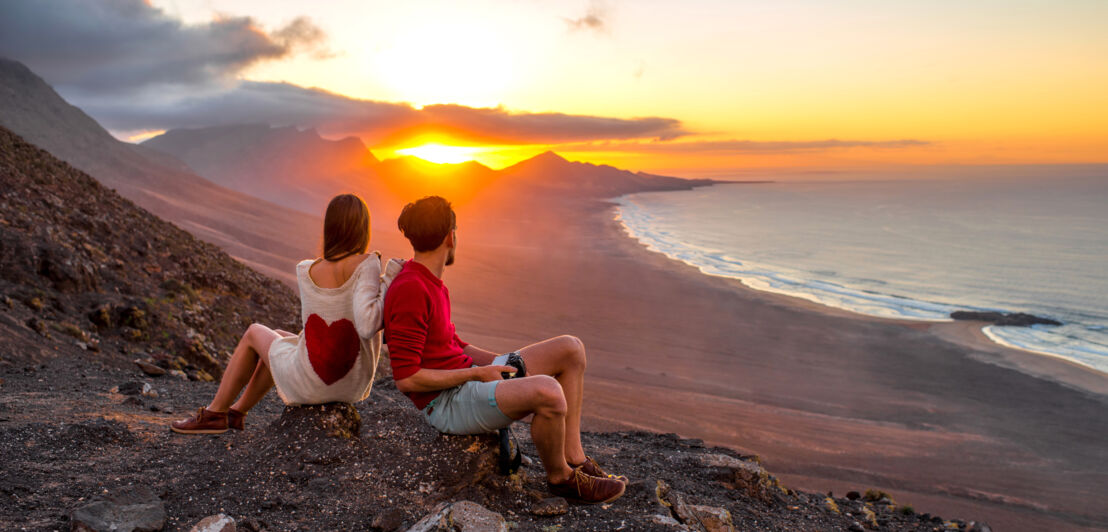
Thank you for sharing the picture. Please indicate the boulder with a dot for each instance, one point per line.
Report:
(129, 509)
(336, 420)
(461, 516)
(745, 476)
(215, 523)
(694, 516)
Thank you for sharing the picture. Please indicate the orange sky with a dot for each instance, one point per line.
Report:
(754, 85)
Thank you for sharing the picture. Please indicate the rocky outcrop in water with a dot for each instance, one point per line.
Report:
(1014, 319)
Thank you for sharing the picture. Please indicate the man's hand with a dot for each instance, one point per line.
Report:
(492, 373)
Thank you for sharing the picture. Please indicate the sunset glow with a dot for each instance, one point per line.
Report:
(438, 153)
(747, 85)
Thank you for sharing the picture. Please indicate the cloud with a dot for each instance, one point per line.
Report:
(735, 147)
(109, 46)
(594, 19)
(376, 122)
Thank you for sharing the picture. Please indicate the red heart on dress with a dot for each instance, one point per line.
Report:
(332, 349)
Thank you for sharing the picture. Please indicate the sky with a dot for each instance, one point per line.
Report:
(689, 87)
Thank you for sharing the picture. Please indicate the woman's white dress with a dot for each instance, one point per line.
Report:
(334, 359)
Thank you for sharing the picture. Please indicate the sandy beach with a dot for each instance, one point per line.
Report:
(933, 413)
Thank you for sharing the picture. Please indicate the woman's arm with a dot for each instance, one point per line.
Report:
(369, 295)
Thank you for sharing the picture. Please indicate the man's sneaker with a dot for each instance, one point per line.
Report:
(590, 467)
(204, 422)
(236, 420)
(588, 489)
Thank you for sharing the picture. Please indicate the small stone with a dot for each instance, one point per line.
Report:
(130, 388)
(829, 503)
(149, 391)
(853, 495)
(133, 401)
(857, 527)
(202, 375)
(550, 506)
(179, 374)
(215, 523)
(149, 369)
(978, 527)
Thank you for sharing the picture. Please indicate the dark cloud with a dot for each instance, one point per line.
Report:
(726, 147)
(286, 104)
(135, 68)
(594, 19)
(125, 45)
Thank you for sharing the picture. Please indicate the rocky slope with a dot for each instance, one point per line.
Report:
(81, 263)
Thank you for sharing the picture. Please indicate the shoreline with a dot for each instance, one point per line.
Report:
(1073, 374)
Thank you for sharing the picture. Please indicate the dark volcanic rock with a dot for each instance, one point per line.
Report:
(131, 509)
(1015, 319)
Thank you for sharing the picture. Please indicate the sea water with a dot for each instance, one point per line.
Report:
(913, 249)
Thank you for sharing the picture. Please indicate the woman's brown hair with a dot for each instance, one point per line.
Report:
(345, 227)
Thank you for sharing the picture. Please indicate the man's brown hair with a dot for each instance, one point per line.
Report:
(426, 222)
(345, 227)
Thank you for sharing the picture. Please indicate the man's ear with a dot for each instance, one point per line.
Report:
(449, 240)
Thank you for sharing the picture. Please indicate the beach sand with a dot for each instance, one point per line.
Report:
(932, 413)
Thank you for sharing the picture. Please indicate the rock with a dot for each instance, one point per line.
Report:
(149, 391)
(746, 476)
(856, 527)
(149, 369)
(829, 503)
(131, 388)
(853, 495)
(179, 374)
(870, 517)
(550, 506)
(1014, 319)
(339, 420)
(978, 527)
(461, 516)
(215, 523)
(667, 521)
(711, 518)
(129, 509)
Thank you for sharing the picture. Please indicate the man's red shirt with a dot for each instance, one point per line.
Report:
(418, 328)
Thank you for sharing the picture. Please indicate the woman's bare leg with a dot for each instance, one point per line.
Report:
(259, 384)
(252, 351)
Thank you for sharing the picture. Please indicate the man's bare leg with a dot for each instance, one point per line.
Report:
(252, 350)
(563, 358)
(542, 396)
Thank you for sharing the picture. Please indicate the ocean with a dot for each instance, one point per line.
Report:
(911, 249)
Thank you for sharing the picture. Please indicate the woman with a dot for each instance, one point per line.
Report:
(335, 357)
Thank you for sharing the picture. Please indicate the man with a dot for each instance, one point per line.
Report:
(459, 387)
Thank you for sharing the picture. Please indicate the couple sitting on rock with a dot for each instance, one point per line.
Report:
(345, 300)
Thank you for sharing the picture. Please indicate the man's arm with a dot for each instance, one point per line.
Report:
(431, 380)
(480, 356)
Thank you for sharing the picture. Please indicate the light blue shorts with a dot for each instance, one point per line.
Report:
(467, 409)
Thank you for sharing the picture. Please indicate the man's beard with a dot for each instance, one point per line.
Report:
(450, 257)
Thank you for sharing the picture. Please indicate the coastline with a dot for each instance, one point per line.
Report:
(830, 399)
(967, 333)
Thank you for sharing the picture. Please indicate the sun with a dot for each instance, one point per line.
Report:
(441, 154)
